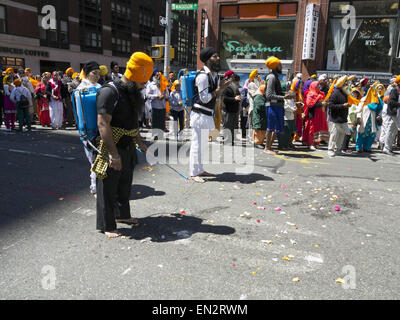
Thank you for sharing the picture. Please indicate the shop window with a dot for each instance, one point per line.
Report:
(370, 46)
(258, 11)
(229, 12)
(64, 31)
(3, 21)
(257, 40)
(288, 10)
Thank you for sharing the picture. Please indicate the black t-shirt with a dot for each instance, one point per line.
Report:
(124, 114)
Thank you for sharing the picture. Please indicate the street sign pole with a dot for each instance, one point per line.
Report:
(167, 39)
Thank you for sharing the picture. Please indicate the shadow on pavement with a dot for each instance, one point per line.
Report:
(233, 177)
(172, 228)
(139, 191)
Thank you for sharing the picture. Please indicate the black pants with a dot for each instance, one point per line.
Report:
(23, 117)
(158, 118)
(230, 121)
(178, 116)
(113, 192)
(243, 124)
(69, 112)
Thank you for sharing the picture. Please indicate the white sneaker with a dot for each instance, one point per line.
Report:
(331, 153)
(312, 148)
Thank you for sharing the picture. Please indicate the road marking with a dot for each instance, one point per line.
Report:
(305, 161)
(126, 271)
(39, 154)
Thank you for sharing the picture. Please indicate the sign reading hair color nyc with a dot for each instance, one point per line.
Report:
(310, 32)
(238, 47)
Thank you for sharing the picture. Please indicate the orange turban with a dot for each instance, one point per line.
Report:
(139, 67)
(272, 62)
(69, 71)
(17, 82)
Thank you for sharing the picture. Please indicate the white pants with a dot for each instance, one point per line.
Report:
(384, 127)
(89, 156)
(337, 133)
(56, 113)
(197, 149)
(392, 130)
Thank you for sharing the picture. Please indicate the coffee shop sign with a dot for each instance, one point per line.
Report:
(370, 39)
(236, 46)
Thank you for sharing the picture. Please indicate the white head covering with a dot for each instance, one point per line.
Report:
(323, 77)
(299, 76)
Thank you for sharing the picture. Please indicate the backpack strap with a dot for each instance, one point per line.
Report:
(112, 85)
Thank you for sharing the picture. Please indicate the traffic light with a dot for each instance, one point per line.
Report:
(157, 52)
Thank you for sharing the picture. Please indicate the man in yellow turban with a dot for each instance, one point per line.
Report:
(69, 72)
(275, 103)
(118, 106)
(338, 111)
(103, 74)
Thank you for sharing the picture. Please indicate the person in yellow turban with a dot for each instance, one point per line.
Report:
(10, 109)
(69, 72)
(119, 131)
(103, 74)
(338, 113)
(273, 63)
(275, 104)
(10, 70)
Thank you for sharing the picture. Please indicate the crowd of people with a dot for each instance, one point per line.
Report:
(317, 111)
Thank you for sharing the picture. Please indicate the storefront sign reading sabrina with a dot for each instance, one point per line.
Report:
(236, 46)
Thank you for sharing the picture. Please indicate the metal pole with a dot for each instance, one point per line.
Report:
(167, 39)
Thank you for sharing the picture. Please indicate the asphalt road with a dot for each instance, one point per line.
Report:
(223, 239)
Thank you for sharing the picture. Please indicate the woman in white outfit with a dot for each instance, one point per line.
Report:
(53, 90)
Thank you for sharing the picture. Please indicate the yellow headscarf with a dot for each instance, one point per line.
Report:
(331, 88)
(272, 62)
(372, 96)
(174, 85)
(341, 81)
(103, 71)
(82, 75)
(76, 74)
(253, 74)
(7, 80)
(10, 70)
(397, 79)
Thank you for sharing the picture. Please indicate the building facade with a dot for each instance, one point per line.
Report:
(100, 30)
(310, 36)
